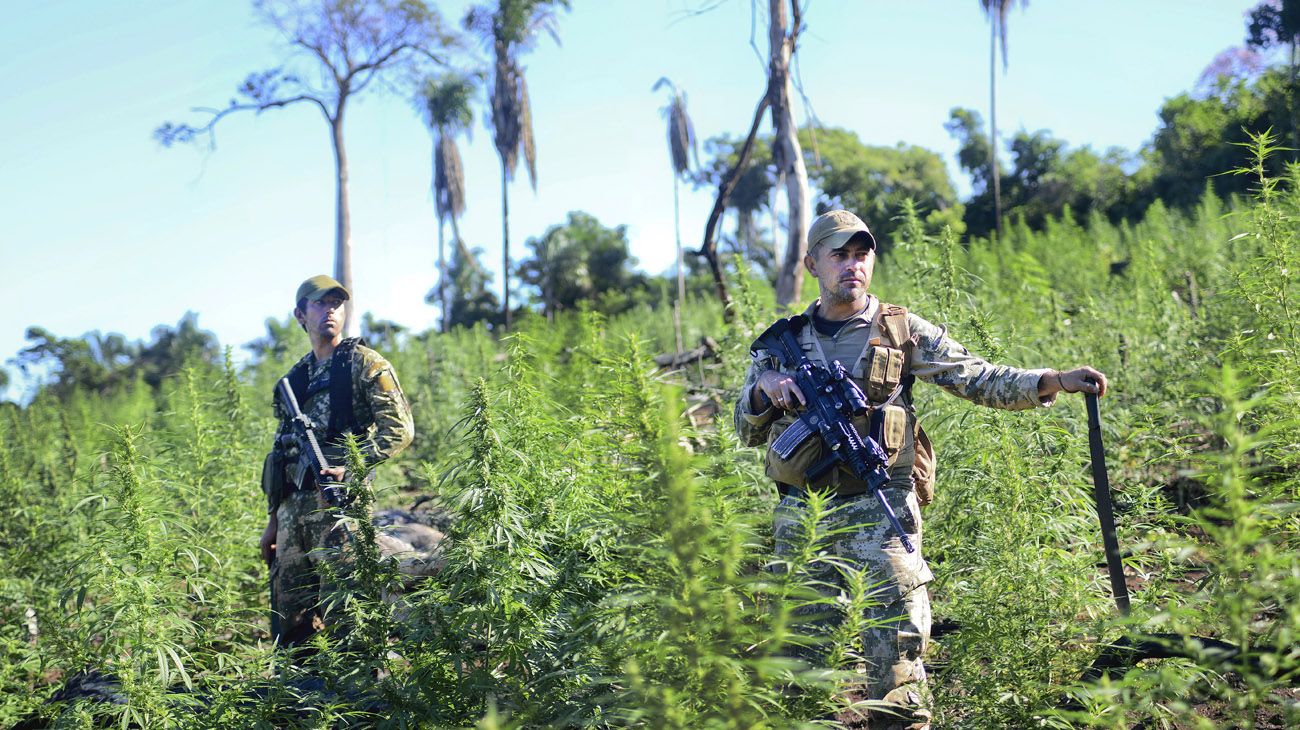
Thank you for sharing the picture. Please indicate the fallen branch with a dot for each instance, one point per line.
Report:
(708, 349)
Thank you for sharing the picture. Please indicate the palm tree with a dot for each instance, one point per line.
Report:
(509, 27)
(996, 10)
(681, 145)
(446, 101)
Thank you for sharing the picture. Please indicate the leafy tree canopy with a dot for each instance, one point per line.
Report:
(582, 259)
(99, 363)
(471, 301)
(1200, 138)
(382, 334)
(283, 339)
(1046, 176)
(873, 181)
(1273, 23)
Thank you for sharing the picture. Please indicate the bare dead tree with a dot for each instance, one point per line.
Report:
(350, 45)
(787, 154)
(783, 37)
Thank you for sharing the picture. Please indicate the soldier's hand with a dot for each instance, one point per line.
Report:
(1083, 380)
(781, 390)
(333, 474)
(268, 541)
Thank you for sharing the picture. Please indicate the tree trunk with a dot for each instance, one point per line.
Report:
(994, 176)
(787, 153)
(442, 275)
(1295, 90)
(776, 222)
(744, 238)
(505, 246)
(681, 273)
(548, 282)
(459, 247)
(343, 223)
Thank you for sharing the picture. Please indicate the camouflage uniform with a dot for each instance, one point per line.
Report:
(892, 650)
(308, 534)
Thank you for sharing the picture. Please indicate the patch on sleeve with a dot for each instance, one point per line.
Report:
(386, 382)
(376, 366)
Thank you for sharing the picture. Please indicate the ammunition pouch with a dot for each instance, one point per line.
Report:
(273, 479)
(884, 373)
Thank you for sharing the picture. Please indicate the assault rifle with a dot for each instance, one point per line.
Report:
(302, 438)
(833, 399)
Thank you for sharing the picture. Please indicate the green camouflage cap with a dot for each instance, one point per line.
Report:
(317, 287)
(835, 228)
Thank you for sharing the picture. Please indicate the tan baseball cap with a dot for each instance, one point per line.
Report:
(835, 228)
(318, 286)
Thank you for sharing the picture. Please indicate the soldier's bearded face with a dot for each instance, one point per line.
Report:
(844, 274)
(324, 317)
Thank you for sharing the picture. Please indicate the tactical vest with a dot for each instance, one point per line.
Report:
(882, 370)
(280, 475)
(338, 380)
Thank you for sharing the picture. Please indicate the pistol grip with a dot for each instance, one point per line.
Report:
(335, 493)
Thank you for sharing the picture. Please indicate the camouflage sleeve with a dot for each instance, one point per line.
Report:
(388, 409)
(941, 360)
(752, 427)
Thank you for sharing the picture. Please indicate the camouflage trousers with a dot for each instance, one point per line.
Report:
(898, 622)
(307, 536)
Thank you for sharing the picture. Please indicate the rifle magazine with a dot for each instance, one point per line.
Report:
(792, 438)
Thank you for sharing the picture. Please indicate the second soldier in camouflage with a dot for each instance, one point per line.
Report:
(343, 387)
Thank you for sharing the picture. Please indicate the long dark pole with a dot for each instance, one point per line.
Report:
(1101, 491)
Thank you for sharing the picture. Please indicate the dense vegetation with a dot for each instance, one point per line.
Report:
(608, 561)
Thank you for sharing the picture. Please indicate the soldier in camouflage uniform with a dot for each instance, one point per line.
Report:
(301, 532)
(884, 348)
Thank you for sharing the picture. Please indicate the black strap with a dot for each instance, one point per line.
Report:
(298, 378)
(343, 418)
(797, 323)
(908, 381)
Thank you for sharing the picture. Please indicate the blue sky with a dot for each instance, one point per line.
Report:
(105, 230)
